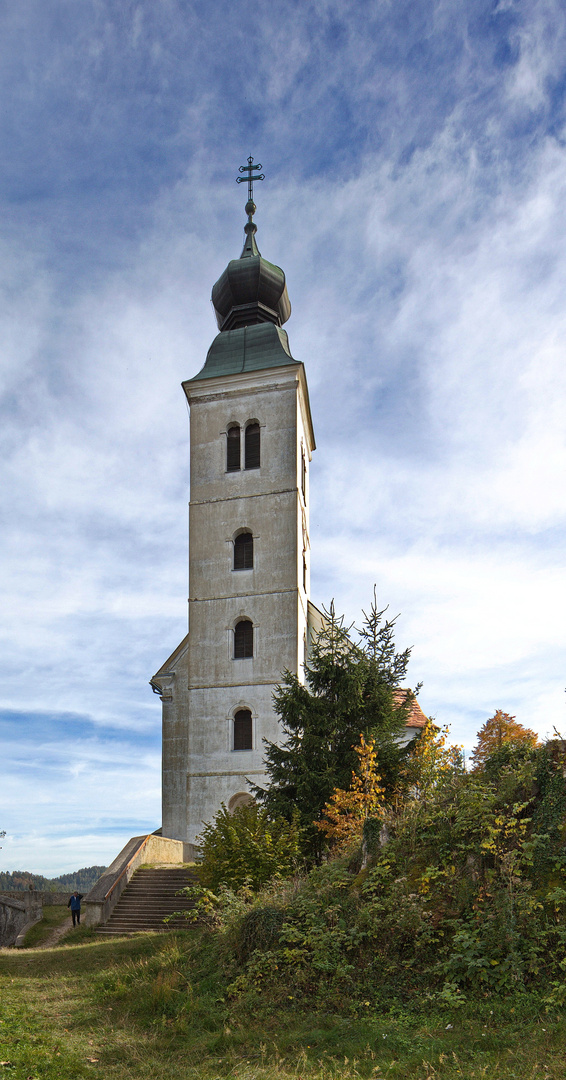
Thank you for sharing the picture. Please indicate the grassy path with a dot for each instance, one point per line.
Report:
(50, 929)
(54, 936)
(145, 1008)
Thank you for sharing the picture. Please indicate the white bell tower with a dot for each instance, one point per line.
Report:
(251, 443)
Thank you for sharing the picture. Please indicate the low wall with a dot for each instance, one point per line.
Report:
(17, 916)
(99, 903)
(48, 899)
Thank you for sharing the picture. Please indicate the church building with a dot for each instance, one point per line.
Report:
(251, 442)
(250, 617)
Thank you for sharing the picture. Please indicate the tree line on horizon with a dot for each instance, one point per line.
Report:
(82, 880)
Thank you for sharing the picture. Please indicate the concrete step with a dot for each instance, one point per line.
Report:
(169, 902)
(148, 898)
(144, 924)
(130, 928)
(149, 911)
(167, 894)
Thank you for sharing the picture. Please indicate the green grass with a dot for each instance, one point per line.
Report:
(53, 916)
(155, 1008)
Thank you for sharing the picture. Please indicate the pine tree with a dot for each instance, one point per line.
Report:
(349, 689)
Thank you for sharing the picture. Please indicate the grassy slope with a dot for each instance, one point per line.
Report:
(155, 1006)
(53, 916)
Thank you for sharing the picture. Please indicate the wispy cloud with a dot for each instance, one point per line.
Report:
(415, 197)
(73, 789)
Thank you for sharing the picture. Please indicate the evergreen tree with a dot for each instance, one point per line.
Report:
(349, 691)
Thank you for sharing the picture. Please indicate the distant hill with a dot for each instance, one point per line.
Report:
(82, 880)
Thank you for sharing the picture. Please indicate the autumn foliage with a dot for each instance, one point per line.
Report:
(432, 758)
(344, 814)
(500, 731)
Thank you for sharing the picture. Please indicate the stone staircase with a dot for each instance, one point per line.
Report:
(149, 896)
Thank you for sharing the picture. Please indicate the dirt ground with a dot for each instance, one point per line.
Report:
(56, 934)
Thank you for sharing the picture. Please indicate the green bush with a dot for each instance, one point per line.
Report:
(248, 848)
(468, 897)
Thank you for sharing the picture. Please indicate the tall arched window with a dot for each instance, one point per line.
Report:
(243, 730)
(243, 640)
(244, 551)
(233, 449)
(251, 455)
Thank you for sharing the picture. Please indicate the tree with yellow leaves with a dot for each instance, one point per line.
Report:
(501, 730)
(432, 758)
(344, 815)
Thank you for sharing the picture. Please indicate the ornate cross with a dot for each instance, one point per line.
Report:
(249, 169)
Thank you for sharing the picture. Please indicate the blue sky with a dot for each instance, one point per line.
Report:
(415, 194)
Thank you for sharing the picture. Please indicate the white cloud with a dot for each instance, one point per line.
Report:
(415, 196)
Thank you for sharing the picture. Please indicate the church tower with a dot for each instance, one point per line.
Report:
(251, 441)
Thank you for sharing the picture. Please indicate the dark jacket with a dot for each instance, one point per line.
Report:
(75, 902)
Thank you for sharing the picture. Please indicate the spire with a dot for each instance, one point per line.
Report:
(251, 290)
(250, 228)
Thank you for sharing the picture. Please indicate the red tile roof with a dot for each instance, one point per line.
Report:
(415, 715)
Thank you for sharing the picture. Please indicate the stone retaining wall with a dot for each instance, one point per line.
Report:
(17, 916)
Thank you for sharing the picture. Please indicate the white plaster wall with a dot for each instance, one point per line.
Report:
(212, 528)
(207, 686)
(215, 771)
(175, 749)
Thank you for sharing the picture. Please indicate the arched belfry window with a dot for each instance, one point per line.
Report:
(244, 551)
(243, 732)
(233, 449)
(243, 640)
(252, 447)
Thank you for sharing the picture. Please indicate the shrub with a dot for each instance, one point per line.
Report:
(466, 897)
(247, 847)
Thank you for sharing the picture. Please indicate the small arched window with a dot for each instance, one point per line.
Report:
(243, 731)
(243, 640)
(244, 551)
(252, 455)
(233, 449)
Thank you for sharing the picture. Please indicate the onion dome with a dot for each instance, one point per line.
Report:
(251, 290)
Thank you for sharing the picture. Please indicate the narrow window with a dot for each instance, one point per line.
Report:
(304, 573)
(244, 552)
(303, 475)
(252, 447)
(243, 640)
(243, 730)
(233, 449)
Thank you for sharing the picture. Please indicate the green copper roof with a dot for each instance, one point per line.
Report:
(251, 290)
(249, 348)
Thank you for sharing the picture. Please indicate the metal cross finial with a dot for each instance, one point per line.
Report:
(249, 169)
